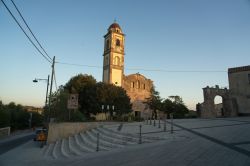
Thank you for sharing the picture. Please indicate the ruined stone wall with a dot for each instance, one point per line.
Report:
(208, 108)
(239, 85)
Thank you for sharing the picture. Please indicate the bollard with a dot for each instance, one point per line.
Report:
(154, 121)
(159, 123)
(147, 121)
(140, 141)
(97, 142)
(150, 122)
(172, 127)
(165, 124)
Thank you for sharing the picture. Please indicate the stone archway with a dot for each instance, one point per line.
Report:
(218, 106)
(208, 108)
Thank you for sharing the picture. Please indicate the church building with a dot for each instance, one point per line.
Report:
(136, 85)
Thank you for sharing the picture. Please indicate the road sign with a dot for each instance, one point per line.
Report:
(73, 101)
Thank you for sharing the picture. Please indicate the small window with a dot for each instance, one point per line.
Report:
(118, 42)
(144, 86)
(138, 84)
(132, 84)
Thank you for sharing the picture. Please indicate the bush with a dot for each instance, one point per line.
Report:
(77, 116)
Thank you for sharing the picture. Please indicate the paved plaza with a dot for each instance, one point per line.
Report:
(224, 141)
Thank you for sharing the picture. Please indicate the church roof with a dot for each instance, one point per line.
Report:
(114, 25)
(137, 75)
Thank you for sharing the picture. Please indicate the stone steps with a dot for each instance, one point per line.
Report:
(103, 142)
(86, 142)
(109, 137)
(91, 142)
(82, 145)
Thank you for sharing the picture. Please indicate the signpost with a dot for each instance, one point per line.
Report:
(72, 102)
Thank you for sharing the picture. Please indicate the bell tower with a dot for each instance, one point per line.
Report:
(113, 56)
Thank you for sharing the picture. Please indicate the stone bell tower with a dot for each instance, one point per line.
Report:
(113, 56)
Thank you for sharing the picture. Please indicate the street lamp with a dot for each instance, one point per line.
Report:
(39, 79)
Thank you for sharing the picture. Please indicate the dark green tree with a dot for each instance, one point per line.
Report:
(92, 96)
(79, 82)
(154, 102)
(4, 116)
(167, 107)
(175, 105)
(112, 95)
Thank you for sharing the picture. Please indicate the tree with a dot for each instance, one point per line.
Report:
(109, 94)
(92, 96)
(180, 110)
(176, 99)
(154, 102)
(175, 105)
(79, 82)
(59, 108)
(167, 107)
(4, 116)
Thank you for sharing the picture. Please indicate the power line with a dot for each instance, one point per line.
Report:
(25, 32)
(178, 71)
(74, 64)
(151, 70)
(30, 29)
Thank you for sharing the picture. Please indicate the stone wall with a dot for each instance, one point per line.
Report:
(138, 88)
(59, 131)
(239, 85)
(208, 108)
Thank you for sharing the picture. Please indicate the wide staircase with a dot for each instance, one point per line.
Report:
(88, 142)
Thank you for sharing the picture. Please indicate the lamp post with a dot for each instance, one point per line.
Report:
(39, 79)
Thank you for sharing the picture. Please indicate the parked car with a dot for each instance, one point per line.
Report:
(41, 136)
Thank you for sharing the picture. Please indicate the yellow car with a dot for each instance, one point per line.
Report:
(41, 136)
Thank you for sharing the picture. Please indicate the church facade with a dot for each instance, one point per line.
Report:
(137, 86)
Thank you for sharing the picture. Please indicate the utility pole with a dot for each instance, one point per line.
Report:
(51, 85)
(46, 100)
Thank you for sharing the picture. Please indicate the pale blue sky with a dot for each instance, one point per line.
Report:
(173, 35)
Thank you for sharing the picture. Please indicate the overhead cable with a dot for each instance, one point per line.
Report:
(30, 30)
(25, 32)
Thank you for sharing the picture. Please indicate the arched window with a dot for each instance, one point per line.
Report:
(144, 86)
(132, 85)
(138, 84)
(118, 43)
(117, 61)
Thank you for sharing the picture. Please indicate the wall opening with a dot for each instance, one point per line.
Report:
(218, 105)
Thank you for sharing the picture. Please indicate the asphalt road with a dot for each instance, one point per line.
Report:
(13, 143)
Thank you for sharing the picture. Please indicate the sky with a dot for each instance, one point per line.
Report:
(165, 41)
